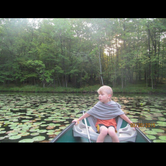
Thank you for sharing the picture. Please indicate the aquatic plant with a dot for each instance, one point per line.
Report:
(24, 117)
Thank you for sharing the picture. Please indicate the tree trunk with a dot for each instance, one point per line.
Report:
(149, 54)
(100, 67)
(44, 84)
(122, 78)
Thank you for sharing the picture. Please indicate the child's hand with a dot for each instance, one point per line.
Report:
(75, 120)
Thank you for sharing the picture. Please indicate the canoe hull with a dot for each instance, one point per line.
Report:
(67, 135)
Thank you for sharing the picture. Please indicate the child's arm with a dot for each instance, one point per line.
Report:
(123, 116)
(82, 117)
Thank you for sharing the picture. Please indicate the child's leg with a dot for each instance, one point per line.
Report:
(103, 133)
(111, 132)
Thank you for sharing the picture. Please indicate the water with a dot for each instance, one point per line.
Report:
(30, 115)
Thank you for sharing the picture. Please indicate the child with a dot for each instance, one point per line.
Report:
(103, 115)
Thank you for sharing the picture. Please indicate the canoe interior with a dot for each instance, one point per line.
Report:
(67, 135)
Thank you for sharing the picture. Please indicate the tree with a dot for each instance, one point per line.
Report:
(82, 52)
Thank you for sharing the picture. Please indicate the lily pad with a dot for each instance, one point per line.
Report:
(42, 131)
(162, 138)
(50, 133)
(158, 130)
(15, 137)
(151, 137)
(150, 132)
(24, 134)
(134, 120)
(13, 133)
(26, 141)
(1, 138)
(157, 114)
(2, 132)
(34, 134)
(160, 123)
(149, 118)
(39, 138)
(63, 127)
(47, 119)
(57, 124)
(33, 129)
(161, 119)
(43, 125)
(158, 140)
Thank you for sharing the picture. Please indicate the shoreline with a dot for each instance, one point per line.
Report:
(130, 89)
(21, 91)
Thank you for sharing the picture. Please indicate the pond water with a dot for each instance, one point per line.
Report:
(39, 117)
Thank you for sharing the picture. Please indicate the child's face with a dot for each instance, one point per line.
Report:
(104, 97)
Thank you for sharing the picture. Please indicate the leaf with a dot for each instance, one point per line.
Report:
(158, 130)
(39, 138)
(162, 138)
(150, 132)
(26, 141)
(35, 134)
(1, 138)
(15, 137)
(151, 137)
(42, 131)
(59, 70)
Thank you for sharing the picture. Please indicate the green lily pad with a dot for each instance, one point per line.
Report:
(51, 124)
(150, 132)
(42, 131)
(161, 119)
(39, 138)
(78, 115)
(160, 123)
(151, 137)
(134, 120)
(24, 120)
(47, 119)
(149, 118)
(15, 137)
(26, 141)
(157, 114)
(158, 140)
(2, 132)
(158, 130)
(57, 124)
(1, 138)
(43, 125)
(33, 130)
(50, 133)
(24, 134)
(34, 134)
(13, 133)
(57, 132)
(162, 138)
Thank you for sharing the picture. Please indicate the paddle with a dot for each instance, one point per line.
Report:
(87, 128)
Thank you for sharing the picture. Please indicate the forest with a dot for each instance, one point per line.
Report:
(73, 52)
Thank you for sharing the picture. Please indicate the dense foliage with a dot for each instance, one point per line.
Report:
(79, 52)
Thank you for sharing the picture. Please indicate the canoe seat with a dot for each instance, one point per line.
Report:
(126, 134)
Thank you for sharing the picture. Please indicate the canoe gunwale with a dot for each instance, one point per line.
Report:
(143, 135)
(61, 133)
(72, 124)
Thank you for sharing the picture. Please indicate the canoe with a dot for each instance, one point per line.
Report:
(69, 134)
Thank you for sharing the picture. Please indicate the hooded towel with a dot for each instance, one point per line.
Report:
(104, 112)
